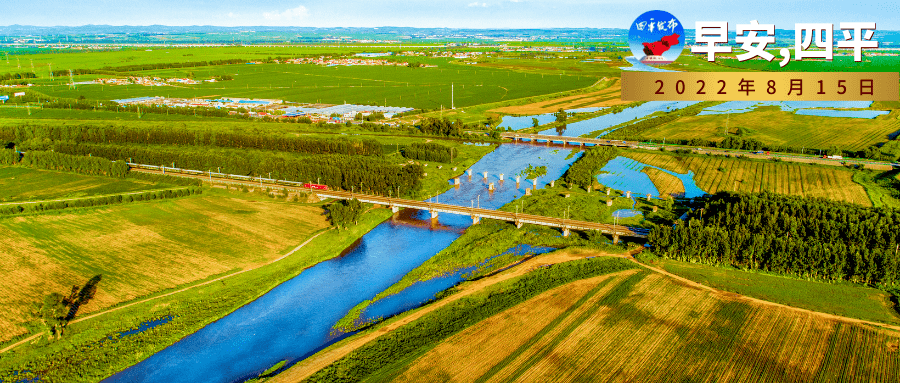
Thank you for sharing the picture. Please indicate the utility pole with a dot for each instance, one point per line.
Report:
(452, 101)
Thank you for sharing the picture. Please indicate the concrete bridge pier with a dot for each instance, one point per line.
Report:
(456, 181)
(553, 183)
(491, 186)
(628, 194)
(527, 191)
(615, 239)
(501, 177)
(434, 214)
(476, 219)
(519, 224)
(518, 178)
(609, 202)
(534, 182)
(648, 196)
(395, 209)
(485, 175)
(608, 191)
(565, 232)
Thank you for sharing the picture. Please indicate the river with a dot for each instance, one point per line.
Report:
(295, 319)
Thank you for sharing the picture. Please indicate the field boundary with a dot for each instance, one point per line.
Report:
(89, 197)
(113, 309)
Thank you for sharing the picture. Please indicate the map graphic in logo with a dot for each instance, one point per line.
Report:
(656, 38)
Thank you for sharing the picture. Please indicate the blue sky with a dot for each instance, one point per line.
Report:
(440, 13)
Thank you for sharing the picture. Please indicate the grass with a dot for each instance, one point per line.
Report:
(775, 127)
(19, 183)
(844, 299)
(644, 327)
(880, 186)
(584, 206)
(89, 341)
(142, 248)
(372, 85)
(718, 173)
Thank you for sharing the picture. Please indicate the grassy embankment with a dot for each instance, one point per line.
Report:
(387, 354)
(715, 173)
(658, 324)
(843, 298)
(258, 230)
(483, 246)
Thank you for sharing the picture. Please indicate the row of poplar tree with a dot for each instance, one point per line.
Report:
(807, 237)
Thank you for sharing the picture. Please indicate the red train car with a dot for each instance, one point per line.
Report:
(315, 186)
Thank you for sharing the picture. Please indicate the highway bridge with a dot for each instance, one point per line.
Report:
(478, 213)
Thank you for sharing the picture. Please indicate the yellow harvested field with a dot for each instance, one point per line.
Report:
(642, 326)
(717, 173)
(607, 97)
(141, 248)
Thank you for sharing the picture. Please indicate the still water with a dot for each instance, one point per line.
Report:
(609, 120)
(625, 174)
(296, 318)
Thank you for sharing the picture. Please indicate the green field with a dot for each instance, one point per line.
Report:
(718, 173)
(26, 184)
(142, 248)
(844, 299)
(774, 127)
(372, 85)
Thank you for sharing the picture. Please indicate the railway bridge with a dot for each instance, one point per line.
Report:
(577, 141)
(567, 225)
(477, 214)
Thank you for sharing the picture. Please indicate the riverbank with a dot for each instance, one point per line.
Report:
(102, 349)
(326, 357)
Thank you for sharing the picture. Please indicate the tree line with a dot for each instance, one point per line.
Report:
(428, 152)
(28, 208)
(338, 171)
(807, 237)
(17, 76)
(174, 136)
(156, 66)
(443, 127)
(65, 162)
(582, 172)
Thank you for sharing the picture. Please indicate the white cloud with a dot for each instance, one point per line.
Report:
(298, 13)
(477, 4)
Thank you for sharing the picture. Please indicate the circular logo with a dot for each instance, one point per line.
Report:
(656, 38)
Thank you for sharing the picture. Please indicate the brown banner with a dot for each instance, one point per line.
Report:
(760, 86)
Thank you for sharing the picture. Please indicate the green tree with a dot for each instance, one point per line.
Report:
(53, 314)
(535, 123)
(561, 115)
